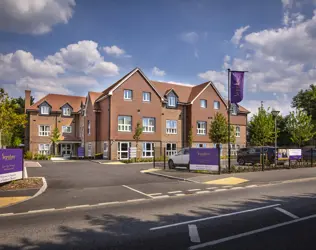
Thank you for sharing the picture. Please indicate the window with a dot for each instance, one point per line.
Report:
(44, 149)
(66, 111)
(171, 101)
(125, 123)
(171, 149)
(128, 94)
(171, 127)
(44, 130)
(201, 128)
(45, 110)
(89, 127)
(146, 96)
(201, 145)
(66, 129)
(203, 103)
(216, 105)
(234, 109)
(149, 125)
(237, 131)
(148, 149)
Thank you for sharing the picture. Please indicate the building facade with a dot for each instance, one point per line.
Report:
(105, 122)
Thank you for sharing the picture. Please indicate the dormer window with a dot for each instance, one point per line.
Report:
(171, 101)
(44, 110)
(66, 111)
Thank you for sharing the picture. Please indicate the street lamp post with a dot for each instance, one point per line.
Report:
(275, 114)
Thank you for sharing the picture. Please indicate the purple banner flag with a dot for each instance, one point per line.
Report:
(236, 86)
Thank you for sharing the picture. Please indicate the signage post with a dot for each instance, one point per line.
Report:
(11, 165)
(204, 159)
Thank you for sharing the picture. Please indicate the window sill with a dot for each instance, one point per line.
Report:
(124, 131)
(128, 100)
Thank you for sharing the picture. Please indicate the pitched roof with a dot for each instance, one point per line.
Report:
(183, 91)
(94, 96)
(56, 101)
(197, 90)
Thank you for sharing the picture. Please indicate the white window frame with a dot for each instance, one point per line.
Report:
(128, 94)
(172, 101)
(65, 129)
(89, 127)
(44, 131)
(146, 96)
(199, 129)
(44, 149)
(66, 111)
(150, 151)
(44, 110)
(201, 144)
(149, 128)
(124, 127)
(171, 130)
(171, 151)
(237, 131)
(203, 103)
(217, 107)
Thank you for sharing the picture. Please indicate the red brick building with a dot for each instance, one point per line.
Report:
(105, 122)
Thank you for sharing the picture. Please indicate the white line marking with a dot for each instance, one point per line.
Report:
(41, 210)
(174, 192)
(194, 233)
(135, 200)
(106, 203)
(7, 214)
(234, 188)
(155, 194)
(212, 188)
(251, 186)
(260, 230)
(203, 192)
(79, 206)
(180, 194)
(162, 196)
(214, 217)
(197, 189)
(227, 186)
(137, 191)
(293, 216)
(219, 190)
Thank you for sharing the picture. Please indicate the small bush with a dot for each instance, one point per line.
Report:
(28, 155)
(36, 156)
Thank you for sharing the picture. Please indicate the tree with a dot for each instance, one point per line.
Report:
(218, 132)
(9, 117)
(261, 128)
(138, 133)
(306, 101)
(55, 138)
(284, 137)
(300, 127)
(190, 138)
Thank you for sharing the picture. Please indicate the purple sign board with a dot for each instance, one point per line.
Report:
(236, 86)
(295, 154)
(204, 159)
(80, 151)
(11, 165)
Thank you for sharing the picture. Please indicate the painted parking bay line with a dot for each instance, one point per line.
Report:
(194, 233)
(137, 191)
(293, 216)
(214, 217)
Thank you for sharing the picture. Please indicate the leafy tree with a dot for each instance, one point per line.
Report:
(138, 132)
(218, 132)
(300, 127)
(261, 128)
(190, 138)
(9, 117)
(306, 101)
(284, 137)
(55, 139)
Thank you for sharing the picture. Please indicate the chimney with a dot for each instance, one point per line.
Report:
(27, 103)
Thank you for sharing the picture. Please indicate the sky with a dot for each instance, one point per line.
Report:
(75, 46)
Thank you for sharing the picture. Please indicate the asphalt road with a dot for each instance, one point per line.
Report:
(278, 217)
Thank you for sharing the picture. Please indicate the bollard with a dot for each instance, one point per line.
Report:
(219, 158)
(164, 158)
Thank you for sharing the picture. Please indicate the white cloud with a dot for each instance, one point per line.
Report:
(114, 50)
(292, 19)
(218, 78)
(181, 83)
(238, 34)
(158, 72)
(226, 63)
(104, 69)
(190, 37)
(34, 16)
(287, 3)
(196, 53)
(21, 63)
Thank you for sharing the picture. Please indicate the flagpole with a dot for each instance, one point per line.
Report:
(228, 114)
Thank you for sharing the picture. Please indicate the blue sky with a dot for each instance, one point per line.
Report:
(72, 46)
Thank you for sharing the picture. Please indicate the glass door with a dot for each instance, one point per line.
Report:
(122, 150)
(66, 149)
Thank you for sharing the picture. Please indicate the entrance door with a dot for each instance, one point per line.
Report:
(66, 149)
(105, 150)
(122, 150)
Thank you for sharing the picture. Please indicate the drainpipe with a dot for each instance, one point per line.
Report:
(109, 137)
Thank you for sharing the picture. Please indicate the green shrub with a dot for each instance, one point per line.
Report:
(28, 155)
(36, 156)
